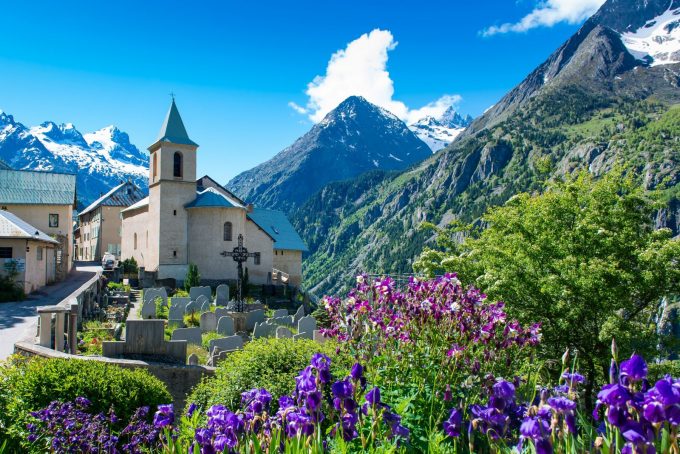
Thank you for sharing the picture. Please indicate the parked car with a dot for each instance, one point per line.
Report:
(108, 262)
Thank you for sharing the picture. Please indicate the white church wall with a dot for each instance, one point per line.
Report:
(289, 262)
(258, 241)
(136, 222)
(206, 240)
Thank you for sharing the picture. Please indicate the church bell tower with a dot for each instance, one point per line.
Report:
(172, 185)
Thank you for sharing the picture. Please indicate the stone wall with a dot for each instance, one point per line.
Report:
(179, 379)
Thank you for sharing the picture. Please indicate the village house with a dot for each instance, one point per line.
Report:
(45, 201)
(99, 225)
(26, 251)
(185, 220)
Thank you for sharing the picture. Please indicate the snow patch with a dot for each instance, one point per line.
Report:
(658, 41)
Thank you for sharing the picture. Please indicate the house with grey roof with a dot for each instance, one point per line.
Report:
(188, 220)
(26, 252)
(45, 200)
(99, 224)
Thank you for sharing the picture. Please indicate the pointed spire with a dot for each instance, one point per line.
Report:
(173, 130)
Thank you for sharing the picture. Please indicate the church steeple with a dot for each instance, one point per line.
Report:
(173, 130)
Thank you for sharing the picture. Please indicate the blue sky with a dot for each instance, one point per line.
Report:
(237, 67)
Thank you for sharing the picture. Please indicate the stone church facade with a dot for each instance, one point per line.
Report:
(188, 220)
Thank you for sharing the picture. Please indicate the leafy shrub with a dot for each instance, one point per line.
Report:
(207, 337)
(263, 363)
(118, 286)
(659, 370)
(31, 384)
(161, 310)
(91, 338)
(10, 290)
(193, 278)
(129, 266)
(180, 293)
(192, 319)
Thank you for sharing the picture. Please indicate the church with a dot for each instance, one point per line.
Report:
(188, 220)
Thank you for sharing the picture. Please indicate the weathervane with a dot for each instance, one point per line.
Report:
(240, 255)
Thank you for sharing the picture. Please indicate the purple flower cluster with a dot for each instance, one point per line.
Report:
(639, 412)
(379, 309)
(68, 427)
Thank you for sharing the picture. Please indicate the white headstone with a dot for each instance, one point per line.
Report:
(205, 307)
(226, 343)
(307, 325)
(318, 337)
(149, 310)
(225, 326)
(222, 295)
(252, 317)
(177, 308)
(288, 320)
(283, 333)
(192, 307)
(222, 312)
(208, 322)
(195, 292)
(280, 313)
(150, 294)
(264, 329)
(299, 314)
(191, 335)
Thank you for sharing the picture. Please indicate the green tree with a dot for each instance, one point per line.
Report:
(193, 278)
(583, 258)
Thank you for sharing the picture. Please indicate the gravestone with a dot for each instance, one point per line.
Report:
(280, 313)
(283, 333)
(306, 326)
(226, 343)
(302, 336)
(150, 294)
(191, 335)
(252, 317)
(299, 314)
(201, 300)
(146, 339)
(222, 295)
(265, 329)
(192, 307)
(177, 308)
(149, 309)
(193, 359)
(208, 322)
(205, 307)
(195, 292)
(176, 322)
(221, 312)
(225, 326)
(232, 306)
(287, 320)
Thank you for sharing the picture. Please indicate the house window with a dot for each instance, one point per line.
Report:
(5, 252)
(257, 258)
(135, 241)
(227, 231)
(177, 165)
(54, 220)
(40, 252)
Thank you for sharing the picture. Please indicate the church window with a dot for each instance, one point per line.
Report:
(174, 253)
(135, 241)
(227, 231)
(257, 258)
(174, 212)
(177, 165)
(155, 165)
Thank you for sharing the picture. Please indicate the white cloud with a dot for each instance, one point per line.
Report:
(548, 13)
(360, 69)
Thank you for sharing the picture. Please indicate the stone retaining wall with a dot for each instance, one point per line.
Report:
(179, 379)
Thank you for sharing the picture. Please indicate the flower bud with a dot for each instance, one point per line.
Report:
(565, 358)
(613, 373)
(615, 351)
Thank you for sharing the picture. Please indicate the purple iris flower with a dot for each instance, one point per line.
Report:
(634, 369)
(192, 408)
(164, 416)
(306, 381)
(453, 425)
(313, 401)
(342, 389)
(83, 402)
(654, 411)
(504, 389)
(373, 396)
(321, 361)
(614, 395)
(573, 378)
(562, 404)
(535, 428)
(357, 372)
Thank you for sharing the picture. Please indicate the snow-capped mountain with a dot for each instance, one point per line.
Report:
(439, 132)
(658, 41)
(354, 138)
(100, 160)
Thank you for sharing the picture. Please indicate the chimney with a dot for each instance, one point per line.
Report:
(249, 208)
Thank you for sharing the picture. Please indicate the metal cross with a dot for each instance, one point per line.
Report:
(172, 93)
(240, 255)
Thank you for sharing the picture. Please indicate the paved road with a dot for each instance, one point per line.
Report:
(17, 318)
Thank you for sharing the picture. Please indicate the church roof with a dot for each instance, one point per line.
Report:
(212, 198)
(123, 195)
(173, 130)
(12, 226)
(142, 203)
(277, 225)
(37, 188)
